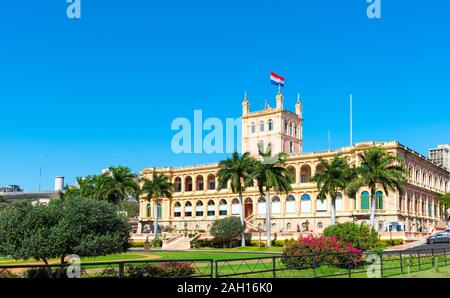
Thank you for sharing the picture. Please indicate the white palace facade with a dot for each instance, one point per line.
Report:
(196, 202)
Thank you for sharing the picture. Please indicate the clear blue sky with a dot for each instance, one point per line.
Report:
(103, 90)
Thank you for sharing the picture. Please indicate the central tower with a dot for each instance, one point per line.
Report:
(277, 126)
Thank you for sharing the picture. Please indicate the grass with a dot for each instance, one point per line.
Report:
(113, 257)
(245, 249)
(214, 255)
(443, 272)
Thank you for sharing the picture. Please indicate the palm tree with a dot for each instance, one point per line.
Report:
(271, 173)
(238, 170)
(334, 178)
(116, 185)
(378, 168)
(445, 200)
(156, 188)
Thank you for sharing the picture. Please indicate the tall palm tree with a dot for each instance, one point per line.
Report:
(156, 188)
(238, 170)
(334, 178)
(117, 184)
(445, 200)
(271, 173)
(378, 168)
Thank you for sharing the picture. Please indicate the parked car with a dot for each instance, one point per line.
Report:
(443, 237)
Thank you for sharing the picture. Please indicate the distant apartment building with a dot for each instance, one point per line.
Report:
(441, 155)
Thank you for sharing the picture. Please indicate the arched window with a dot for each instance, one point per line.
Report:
(320, 225)
(288, 226)
(188, 183)
(211, 182)
(305, 174)
(290, 129)
(290, 204)
(235, 207)
(430, 210)
(261, 145)
(285, 126)
(270, 124)
(211, 208)
(365, 200)
(261, 206)
(319, 168)
(380, 226)
(291, 147)
(188, 209)
(274, 226)
(199, 208)
(159, 210)
(149, 210)
(253, 127)
(379, 200)
(177, 183)
(276, 205)
(291, 170)
(306, 203)
(295, 130)
(321, 205)
(177, 210)
(199, 183)
(261, 126)
(339, 202)
(223, 208)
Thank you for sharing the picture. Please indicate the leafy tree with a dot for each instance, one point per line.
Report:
(80, 226)
(334, 178)
(114, 186)
(271, 173)
(445, 200)
(226, 229)
(156, 188)
(130, 207)
(361, 236)
(238, 170)
(378, 168)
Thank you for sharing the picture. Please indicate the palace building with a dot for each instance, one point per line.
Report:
(196, 202)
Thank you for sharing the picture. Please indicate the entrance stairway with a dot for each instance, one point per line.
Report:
(250, 227)
(179, 242)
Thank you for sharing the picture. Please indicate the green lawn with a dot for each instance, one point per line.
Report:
(215, 255)
(113, 257)
(246, 249)
(443, 272)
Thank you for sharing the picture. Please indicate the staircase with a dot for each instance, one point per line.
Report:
(250, 227)
(179, 242)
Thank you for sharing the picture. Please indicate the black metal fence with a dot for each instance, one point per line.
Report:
(342, 265)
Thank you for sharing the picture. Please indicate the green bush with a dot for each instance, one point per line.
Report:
(389, 242)
(44, 273)
(360, 236)
(256, 243)
(203, 243)
(167, 269)
(152, 243)
(226, 230)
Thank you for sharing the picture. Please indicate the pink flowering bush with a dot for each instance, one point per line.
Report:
(309, 251)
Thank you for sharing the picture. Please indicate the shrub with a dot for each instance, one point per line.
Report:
(43, 273)
(167, 269)
(309, 251)
(151, 243)
(361, 236)
(202, 243)
(226, 230)
(389, 242)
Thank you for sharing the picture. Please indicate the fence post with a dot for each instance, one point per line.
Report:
(418, 256)
(314, 265)
(121, 270)
(445, 256)
(401, 262)
(433, 261)
(217, 269)
(211, 263)
(349, 265)
(381, 266)
(273, 267)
